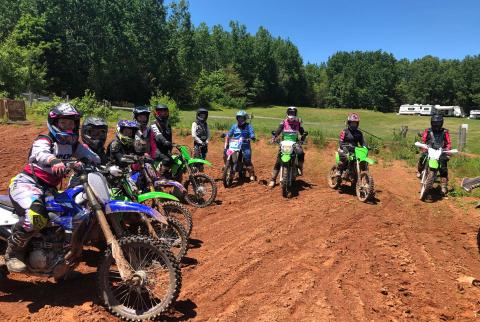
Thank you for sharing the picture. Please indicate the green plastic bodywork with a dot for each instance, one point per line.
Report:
(290, 137)
(433, 164)
(286, 157)
(155, 195)
(362, 155)
(191, 161)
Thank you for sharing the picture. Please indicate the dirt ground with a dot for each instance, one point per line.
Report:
(320, 256)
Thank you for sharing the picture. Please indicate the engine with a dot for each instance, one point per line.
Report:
(47, 250)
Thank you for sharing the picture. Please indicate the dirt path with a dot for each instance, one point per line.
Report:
(317, 257)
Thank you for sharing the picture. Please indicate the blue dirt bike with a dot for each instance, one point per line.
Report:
(138, 277)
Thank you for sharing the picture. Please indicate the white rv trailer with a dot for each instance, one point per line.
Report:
(421, 109)
(415, 109)
(474, 114)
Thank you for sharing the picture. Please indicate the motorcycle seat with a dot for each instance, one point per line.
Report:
(5, 201)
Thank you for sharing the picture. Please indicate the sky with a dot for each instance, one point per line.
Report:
(406, 28)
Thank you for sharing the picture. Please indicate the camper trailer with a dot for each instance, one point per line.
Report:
(456, 111)
(474, 114)
(421, 109)
(415, 109)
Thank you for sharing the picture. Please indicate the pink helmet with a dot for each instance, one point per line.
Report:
(353, 117)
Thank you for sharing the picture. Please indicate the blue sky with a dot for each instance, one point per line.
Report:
(407, 28)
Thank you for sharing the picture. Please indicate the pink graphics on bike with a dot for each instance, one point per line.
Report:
(234, 145)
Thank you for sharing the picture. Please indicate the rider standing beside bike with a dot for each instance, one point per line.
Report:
(437, 137)
(350, 138)
(243, 129)
(200, 134)
(44, 171)
(161, 139)
(291, 124)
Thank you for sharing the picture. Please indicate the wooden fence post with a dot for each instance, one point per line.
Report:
(462, 136)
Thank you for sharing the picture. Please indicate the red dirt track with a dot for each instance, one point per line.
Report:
(321, 256)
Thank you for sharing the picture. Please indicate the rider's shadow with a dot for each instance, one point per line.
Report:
(45, 292)
(347, 189)
(301, 185)
(182, 311)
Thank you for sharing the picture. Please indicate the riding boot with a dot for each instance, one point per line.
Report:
(300, 167)
(251, 173)
(271, 184)
(470, 183)
(444, 185)
(15, 252)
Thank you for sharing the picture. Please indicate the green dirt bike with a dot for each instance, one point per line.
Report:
(289, 161)
(356, 173)
(200, 189)
(431, 166)
(123, 187)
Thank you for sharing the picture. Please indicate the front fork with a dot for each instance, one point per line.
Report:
(124, 267)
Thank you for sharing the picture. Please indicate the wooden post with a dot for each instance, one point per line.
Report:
(462, 136)
(15, 110)
(404, 131)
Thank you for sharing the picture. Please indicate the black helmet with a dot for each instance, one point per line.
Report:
(139, 110)
(202, 114)
(94, 141)
(161, 112)
(291, 112)
(64, 111)
(436, 122)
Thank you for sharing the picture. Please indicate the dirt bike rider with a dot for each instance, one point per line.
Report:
(123, 143)
(141, 114)
(200, 134)
(161, 139)
(93, 132)
(242, 129)
(437, 137)
(43, 172)
(350, 137)
(292, 124)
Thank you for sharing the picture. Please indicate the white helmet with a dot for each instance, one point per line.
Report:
(291, 113)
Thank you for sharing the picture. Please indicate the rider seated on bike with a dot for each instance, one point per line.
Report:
(437, 137)
(161, 139)
(242, 129)
(94, 134)
(292, 124)
(350, 138)
(122, 144)
(43, 172)
(141, 114)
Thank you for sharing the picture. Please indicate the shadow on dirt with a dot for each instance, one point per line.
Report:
(185, 307)
(189, 261)
(350, 190)
(42, 293)
(194, 243)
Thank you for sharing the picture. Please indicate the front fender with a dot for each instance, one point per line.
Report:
(125, 206)
(191, 161)
(155, 195)
(286, 157)
(433, 164)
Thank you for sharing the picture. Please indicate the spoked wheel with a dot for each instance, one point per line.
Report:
(428, 178)
(179, 212)
(201, 190)
(172, 235)
(152, 289)
(365, 187)
(228, 174)
(333, 180)
(286, 183)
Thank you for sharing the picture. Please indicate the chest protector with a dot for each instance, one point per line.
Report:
(202, 131)
(291, 126)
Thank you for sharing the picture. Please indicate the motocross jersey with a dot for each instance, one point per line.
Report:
(45, 149)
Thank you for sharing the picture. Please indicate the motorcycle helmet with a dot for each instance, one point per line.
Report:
(94, 132)
(291, 113)
(436, 122)
(202, 114)
(64, 111)
(353, 121)
(141, 110)
(126, 124)
(161, 112)
(241, 117)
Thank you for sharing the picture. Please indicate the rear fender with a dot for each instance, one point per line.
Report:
(114, 206)
(156, 195)
(192, 161)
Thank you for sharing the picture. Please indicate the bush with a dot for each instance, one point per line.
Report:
(88, 105)
(160, 98)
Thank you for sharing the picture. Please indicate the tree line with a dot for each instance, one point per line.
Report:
(125, 50)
